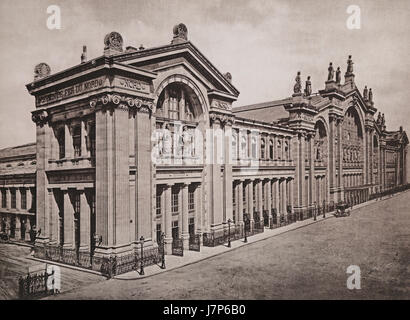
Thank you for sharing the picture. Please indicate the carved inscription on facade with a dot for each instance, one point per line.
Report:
(70, 91)
(132, 84)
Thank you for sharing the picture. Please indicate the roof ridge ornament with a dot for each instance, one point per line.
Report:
(365, 93)
(113, 43)
(41, 70)
(297, 88)
(180, 32)
(349, 75)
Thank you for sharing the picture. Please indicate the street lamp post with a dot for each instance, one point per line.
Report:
(324, 211)
(142, 256)
(244, 229)
(314, 211)
(163, 251)
(229, 233)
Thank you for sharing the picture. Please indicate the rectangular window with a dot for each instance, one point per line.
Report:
(61, 143)
(175, 202)
(191, 200)
(77, 141)
(3, 198)
(158, 201)
(23, 193)
(77, 203)
(13, 198)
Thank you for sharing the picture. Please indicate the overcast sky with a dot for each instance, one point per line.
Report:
(261, 43)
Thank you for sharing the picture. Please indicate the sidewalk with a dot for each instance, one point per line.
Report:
(190, 257)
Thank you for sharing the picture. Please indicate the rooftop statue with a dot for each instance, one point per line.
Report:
(370, 95)
(349, 65)
(365, 93)
(308, 87)
(297, 88)
(331, 72)
(338, 75)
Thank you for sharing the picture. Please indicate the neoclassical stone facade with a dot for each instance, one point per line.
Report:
(141, 142)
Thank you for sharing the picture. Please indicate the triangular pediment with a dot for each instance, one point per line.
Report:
(182, 54)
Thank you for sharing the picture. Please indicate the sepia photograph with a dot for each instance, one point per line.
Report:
(204, 154)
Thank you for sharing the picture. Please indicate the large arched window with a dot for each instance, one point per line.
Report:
(178, 112)
(279, 150)
(61, 142)
(271, 149)
(320, 143)
(352, 138)
(177, 101)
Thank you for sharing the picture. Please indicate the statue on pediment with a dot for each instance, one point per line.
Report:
(308, 87)
(297, 88)
(331, 73)
(41, 70)
(370, 95)
(365, 93)
(338, 75)
(349, 65)
(180, 31)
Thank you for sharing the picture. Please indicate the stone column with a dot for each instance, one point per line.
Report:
(277, 199)
(312, 185)
(28, 229)
(168, 218)
(84, 151)
(68, 221)
(185, 231)
(332, 157)
(54, 221)
(18, 199)
(85, 222)
(291, 193)
(17, 229)
(240, 202)
(181, 106)
(283, 197)
(68, 139)
(249, 187)
(29, 199)
(269, 197)
(259, 199)
(340, 159)
(198, 212)
(227, 173)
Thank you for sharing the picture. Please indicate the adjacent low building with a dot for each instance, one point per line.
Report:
(142, 142)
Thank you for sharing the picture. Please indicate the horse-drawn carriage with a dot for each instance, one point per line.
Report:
(342, 210)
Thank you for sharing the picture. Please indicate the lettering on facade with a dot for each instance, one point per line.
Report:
(70, 91)
(132, 84)
(221, 105)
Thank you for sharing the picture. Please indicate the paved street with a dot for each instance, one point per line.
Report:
(15, 262)
(306, 263)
